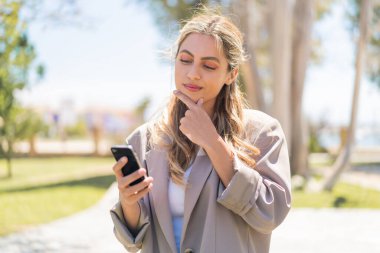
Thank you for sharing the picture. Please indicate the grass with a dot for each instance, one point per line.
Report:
(45, 189)
(344, 195)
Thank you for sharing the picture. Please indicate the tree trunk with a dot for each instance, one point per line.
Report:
(303, 21)
(8, 158)
(96, 138)
(255, 94)
(9, 167)
(342, 162)
(252, 81)
(281, 60)
(32, 146)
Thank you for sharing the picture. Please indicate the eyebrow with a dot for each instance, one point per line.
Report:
(203, 58)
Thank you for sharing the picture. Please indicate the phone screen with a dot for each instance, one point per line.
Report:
(132, 165)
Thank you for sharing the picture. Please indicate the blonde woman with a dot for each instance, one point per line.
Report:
(217, 175)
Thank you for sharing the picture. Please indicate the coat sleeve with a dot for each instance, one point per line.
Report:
(261, 195)
(123, 234)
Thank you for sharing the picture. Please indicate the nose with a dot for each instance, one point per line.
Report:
(193, 73)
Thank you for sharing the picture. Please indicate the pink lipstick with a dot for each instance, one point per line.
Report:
(192, 87)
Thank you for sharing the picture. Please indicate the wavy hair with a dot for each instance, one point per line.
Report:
(229, 105)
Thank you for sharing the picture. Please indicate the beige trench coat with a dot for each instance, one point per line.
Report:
(236, 218)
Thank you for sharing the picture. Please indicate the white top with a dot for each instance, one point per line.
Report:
(177, 195)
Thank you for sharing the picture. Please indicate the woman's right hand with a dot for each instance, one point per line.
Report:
(130, 195)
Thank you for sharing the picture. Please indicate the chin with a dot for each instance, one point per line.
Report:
(191, 95)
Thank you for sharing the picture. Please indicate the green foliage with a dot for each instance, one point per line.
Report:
(26, 123)
(314, 131)
(17, 55)
(168, 13)
(314, 144)
(323, 8)
(77, 130)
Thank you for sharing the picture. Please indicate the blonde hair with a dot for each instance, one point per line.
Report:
(228, 116)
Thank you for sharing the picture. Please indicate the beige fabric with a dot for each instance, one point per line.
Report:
(236, 218)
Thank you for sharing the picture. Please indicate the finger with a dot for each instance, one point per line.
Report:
(183, 129)
(127, 180)
(118, 166)
(200, 102)
(140, 194)
(183, 125)
(187, 113)
(139, 187)
(184, 98)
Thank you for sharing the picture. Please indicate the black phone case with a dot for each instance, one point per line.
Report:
(132, 165)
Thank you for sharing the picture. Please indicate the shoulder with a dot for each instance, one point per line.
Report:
(136, 134)
(257, 123)
(257, 116)
(256, 120)
(138, 139)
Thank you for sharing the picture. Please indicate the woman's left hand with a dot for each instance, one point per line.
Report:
(196, 124)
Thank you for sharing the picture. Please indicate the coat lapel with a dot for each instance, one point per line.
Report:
(201, 169)
(157, 166)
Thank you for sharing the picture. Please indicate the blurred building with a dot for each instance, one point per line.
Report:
(86, 131)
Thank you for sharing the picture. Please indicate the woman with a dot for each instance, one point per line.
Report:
(221, 173)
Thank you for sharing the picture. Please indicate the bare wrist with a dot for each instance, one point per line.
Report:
(131, 213)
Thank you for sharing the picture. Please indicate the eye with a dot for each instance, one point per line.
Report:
(185, 60)
(209, 67)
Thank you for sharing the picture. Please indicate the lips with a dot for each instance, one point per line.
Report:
(192, 87)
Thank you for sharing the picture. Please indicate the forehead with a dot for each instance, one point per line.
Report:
(202, 45)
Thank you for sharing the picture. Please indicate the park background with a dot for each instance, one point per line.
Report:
(85, 73)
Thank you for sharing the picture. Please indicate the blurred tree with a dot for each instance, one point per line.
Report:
(343, 159)
(303, 19)
(54, 13)
(278, 40)
(27, 124)
(16, 57)
(314, 128)
(372, 67)
(79, 129)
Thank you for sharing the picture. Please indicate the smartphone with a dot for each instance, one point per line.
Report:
(133, 163)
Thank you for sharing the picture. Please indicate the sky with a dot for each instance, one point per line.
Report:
(116, 62)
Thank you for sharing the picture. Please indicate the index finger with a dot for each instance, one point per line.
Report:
(184, 98)
(118, 166)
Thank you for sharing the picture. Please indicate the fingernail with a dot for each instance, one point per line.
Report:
(175, 91)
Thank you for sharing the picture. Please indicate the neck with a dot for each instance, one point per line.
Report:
(209, 107)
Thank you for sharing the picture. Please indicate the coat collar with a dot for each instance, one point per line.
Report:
(201, 170)
(157, 167)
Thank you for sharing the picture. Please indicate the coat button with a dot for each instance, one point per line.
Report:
(188, 250)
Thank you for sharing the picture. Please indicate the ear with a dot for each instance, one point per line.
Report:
(231, 76)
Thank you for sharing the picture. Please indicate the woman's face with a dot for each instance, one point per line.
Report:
(201, 70)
